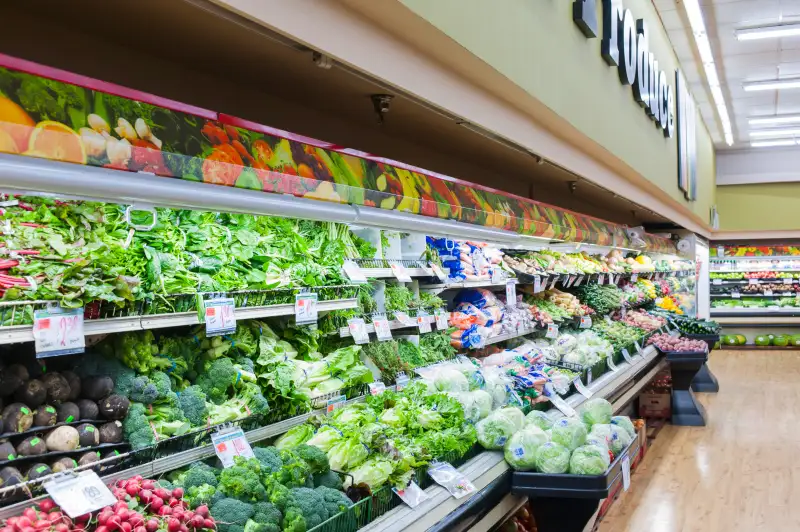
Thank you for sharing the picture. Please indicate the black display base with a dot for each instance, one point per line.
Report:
(686, 411)
(558, 514)
(705, 381)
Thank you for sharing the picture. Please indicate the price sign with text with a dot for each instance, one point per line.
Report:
(626, 473)
(400, 272)
(58, 332)
(586, 322)
(562, 405)
(423, 322)
(611, 365)
(334, 403)
(579, 281)
(401, 381)
(552, 331)
(305, 308)
(768, 293)
(634, 277)
(230, 443)
(497, 275)
(583, 390)
(753, 281)
(382, 329)
(405, 319)
(79, 494)
(537, 284)
(442, 318)
(220, 316)
(627, 356)
(716, 281)
(376, 388)
(438, 272)
(553, 284)
(601, 279)
(735, 295)
(511, 292)
(358, 330)
(787, 281)
(353, 272)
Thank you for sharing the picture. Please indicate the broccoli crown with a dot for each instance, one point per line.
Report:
(162, 383)
(335, 500)
(192, 402)
(143, 390)
(254, 526)
(269, 458)
(309, 504)
(229, 512)
(218, 496)
(268, 514)
(254, 399)
(294, 471)
(199, 495)
(136, 428)
(200, 475)
(246, 363)
(314, 457)
(219, 377)
(277, 493)
(243, 480)
(331, 479)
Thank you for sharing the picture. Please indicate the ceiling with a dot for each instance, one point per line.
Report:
(197, 54)
(736, 61)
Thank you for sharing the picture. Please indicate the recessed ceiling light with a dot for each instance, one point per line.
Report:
(772, 84)
(767, 133)
(768, 32)
(777, 119)
(772, 143)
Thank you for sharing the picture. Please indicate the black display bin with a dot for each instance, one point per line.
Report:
(705, 381)
(567, 503)
(686, 411)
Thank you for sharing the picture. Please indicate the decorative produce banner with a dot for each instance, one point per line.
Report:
(56, 115)
(757, 251)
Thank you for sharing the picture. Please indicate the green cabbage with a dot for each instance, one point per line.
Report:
(589, 460)
(620, 439)
(347, 454)
(539, 419)
(569, 432)
(625, 423)
(495, 430)
(596, 411)
(551, 458)
(477, 405)
(515, 414)
(451, 380)
(374, 473)
(394, 417)
(602, 431)
(520, 449)
(325, 438)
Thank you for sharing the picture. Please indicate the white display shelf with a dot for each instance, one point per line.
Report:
(761, 311)
(509, 336)
(441, 287)
(758, 321)
(387, 273)
(766, 258)
(344, 332)
(747, 294)
(24, 333)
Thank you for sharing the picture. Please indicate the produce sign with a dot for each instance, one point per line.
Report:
(52, 114)
(755, 251)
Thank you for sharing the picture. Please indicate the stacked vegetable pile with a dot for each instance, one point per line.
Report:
(53, 418)
(586, 348)
(81, 252)
(287, 489)
(399, 298)
(641, 319)
(143, 505)
(466, 261)
(402, 355)
(619, 334)
(677, 344)
(384, 439)
(604, 299)
(563, 306)
(689, 325)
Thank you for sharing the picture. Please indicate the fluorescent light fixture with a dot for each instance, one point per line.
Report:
(768, 32)
(698, 25)
(767, 133)
(772, 143)
(772, 84)
(777, 119)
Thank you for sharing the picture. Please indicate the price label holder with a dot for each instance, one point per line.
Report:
(768, 293)
(334, 403)
(638, 347)
(442, 319)
(450, 479)
(553, 284)
(579, 280)
(511, 292)
(562, 405)
(753, 281)
(423, 322)
(626, 472)
(736, 295)
(611, 365)
(537, 284)
(720, 251)
(586, 322)
(498, 276)
(220, 316)
(358, 330)
(382, 329)
(571, 280)
(439, 272)
(401, 381)
(716, 281)
(583, 390)
(79, 493)
(400, 272)
(552, 331)
(305, 308)
(623, 311)
(601, 279)
(627, 356)
(58, 331)
(230, 443)
(788, 281)
(788, 293)
(405, 319)
(413, 495)
(353, 272)
(634, 277)
(376, 388)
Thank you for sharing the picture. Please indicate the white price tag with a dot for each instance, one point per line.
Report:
(788, 294)
(423, 322)
(768, 293)
(571, 280)
(601, 279)
(511, 292)
(305, 308)
(736, 295)
(579, 281)
(358, 330)
(442, 319)
(438, 272)
(753, 281)
(553, 284)
(400, 381)
(623, 311)
(376, 388)
(537, 284)
(638, 348)
(220, 316)
(626, 472)
(353, 272)
(497, 275)
(79, 494)
(382, 329)
(634, 277)
(552, 331)
(586, 322)
(405, 319)
(562, 405)
(716, 281)
(451, 479)
(611, 365)
(720, 251)
(58, 332)
(627, 356)
(334, 403)
(413, 495)
(230, 443)
(400, 272)
(787, 281)
(583, 390)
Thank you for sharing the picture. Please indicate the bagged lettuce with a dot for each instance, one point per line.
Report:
(569, 432)
(596, 411)
(589, 460)
(520, 449)
(625, 423)
(495, 430)
(551, 458)
(539, 419)
(515, 414)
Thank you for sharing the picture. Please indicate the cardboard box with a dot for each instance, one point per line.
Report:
(655, 405)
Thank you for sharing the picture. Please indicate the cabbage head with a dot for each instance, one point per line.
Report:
(451, 380)
(551, 458)
(539, 419)
(602, 431)
(347, 454)
(483, 402)
(598, 441)
(625, 423)
(394, 417)
(589, 460)
(515, 414)
(325, 437)
(520, 449)
(596, 411)
(569, 432)
(620, 439)
(477, 405)
(495, 430)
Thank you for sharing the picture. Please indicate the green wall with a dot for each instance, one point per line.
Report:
(535, 44)
(762, 207)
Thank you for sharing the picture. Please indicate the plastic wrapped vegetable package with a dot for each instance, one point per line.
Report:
(552, 458)
(495, 430)
(520, 449)
(539, 419)
(596, 411)
(477, 405)
(569, 432)
(625, 423)
(589, 460)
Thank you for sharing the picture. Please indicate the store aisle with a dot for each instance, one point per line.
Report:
(740, 472)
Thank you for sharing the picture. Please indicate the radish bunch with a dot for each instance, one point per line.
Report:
(142, 506)
(666, 342)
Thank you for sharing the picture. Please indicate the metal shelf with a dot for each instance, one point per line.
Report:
(387, 273)
(344, 332)
(749, 294)
(782, 257)
(24, 333)
(509, 336)
(759, 320)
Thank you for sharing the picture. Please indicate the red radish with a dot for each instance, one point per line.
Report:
(151, 525)
(149, 484)
(177, 514)
(126, 527)
(41, 524)
(30, 513)
(55, 517)
(120, 505)
(173, 525)
(136, 519)
(177, 493)
(198, 521)
(28, 529)
(103, 517)
(11, 529)
(123, 514)
(132, 490)
(47, 505)
(24, 522)
(174, 502)
(165, 510)
(13, 522)
(113, 523)
(202, 510)
(101, 529)
(145, 495)
(140, 529)
(161, 492)
(61, 527)
(78, 527)
(156, 503)
(208, 523)
(138, 478)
